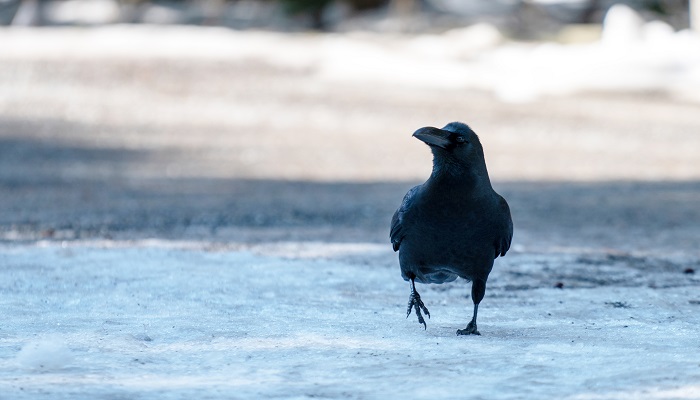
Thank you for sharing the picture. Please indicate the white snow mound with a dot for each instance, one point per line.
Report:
(45, 354)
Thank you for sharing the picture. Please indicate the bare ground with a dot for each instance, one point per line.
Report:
(245, 152)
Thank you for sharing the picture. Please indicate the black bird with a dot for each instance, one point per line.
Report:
(454, 224)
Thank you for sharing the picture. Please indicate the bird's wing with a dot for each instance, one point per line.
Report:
(397, 229)
(506, 233)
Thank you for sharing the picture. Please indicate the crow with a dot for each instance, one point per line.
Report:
(454, 224)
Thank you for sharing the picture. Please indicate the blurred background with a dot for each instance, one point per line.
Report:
(518, 18)
(250, 121)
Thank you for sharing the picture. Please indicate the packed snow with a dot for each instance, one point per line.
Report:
(312, 320)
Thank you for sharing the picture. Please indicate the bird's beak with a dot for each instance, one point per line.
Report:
(433, 136)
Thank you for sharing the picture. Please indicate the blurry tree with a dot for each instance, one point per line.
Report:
(316, 8)
(590, 11)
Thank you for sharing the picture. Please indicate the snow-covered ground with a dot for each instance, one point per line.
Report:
(311, 320)
(631, 56)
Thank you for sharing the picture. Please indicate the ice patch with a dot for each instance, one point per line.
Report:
(159, 321)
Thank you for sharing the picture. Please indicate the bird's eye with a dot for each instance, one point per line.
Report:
(460, 139)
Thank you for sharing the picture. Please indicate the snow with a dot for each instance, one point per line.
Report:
(48, 353)
(83, 11)
(631, 56)
(301, 320)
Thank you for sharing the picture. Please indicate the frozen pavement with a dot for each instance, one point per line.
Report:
(311, 320)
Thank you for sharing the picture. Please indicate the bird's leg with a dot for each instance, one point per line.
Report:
(414, 300)
(471, 327)
(478, 291)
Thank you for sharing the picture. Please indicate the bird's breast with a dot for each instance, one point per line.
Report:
(448, 239)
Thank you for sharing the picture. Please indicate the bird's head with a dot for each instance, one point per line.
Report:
(455, 147)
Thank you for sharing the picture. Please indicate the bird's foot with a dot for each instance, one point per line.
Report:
(469, 330)
(415, 301)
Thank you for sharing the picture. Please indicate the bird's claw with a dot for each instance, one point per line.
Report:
(469, 330)
(414, 300)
